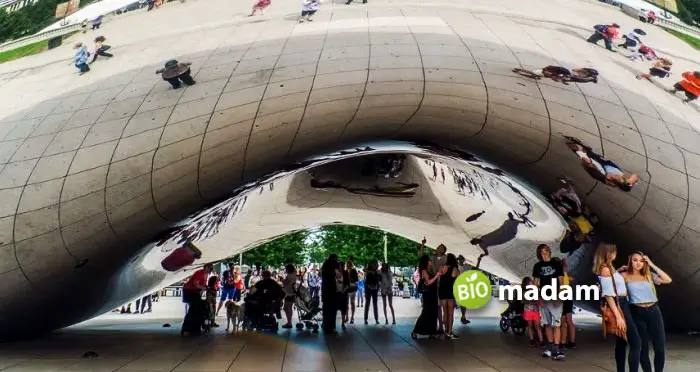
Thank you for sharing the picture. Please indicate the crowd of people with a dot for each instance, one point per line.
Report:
(341, 286)
(629, 304)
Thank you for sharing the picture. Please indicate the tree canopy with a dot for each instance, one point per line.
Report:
(29, 19)
(357, 243)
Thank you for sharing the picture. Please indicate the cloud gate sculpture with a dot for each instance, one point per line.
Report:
(414, 127)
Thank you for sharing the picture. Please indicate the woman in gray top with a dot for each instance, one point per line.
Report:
(642, 277)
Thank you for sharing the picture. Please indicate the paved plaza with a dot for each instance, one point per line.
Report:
(139, 343)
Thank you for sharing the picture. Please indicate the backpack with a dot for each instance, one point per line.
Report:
(601, 28)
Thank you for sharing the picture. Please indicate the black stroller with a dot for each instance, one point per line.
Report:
(512, 318)
(308, 309)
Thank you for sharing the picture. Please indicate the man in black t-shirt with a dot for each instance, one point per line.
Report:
(550, 273)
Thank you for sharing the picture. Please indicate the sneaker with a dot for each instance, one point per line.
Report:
(571, 345)
(453, 336)
(547, 353)
(562, 347)
(558, 356)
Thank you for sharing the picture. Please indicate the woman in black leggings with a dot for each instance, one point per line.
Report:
(371, 290)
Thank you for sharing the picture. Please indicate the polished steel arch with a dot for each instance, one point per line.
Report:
(93, 180)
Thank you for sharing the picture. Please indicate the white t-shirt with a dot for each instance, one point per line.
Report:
(288, 284)
(386, 282)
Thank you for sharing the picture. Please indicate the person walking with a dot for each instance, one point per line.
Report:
(176, 73)
(386, 286)
(607, 33)
(313, 280)
(308, 9)
(371, 290)
(690, 85)
(328, 294)
(353, 288)
(101, 49)
(461, 265)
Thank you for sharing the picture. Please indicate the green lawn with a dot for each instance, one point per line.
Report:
(693, 41)
(24, 51)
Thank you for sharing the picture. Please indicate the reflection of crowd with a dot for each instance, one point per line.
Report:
(205, 224)
(580, 218)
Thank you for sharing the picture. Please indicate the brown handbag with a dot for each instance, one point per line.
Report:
(609, 323)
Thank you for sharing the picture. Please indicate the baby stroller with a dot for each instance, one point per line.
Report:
(308, 309)
(512, 318)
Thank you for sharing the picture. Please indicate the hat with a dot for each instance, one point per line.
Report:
(639, 31)
(171, 64)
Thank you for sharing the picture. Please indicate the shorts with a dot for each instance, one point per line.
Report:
(568, 307)
(551, 313)
(228, 294)
(658, 72)
(532, 315)
(305, 13)
(688, 95)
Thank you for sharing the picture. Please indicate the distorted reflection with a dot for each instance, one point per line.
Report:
(502, 235)
(601, 168)
(346, 187)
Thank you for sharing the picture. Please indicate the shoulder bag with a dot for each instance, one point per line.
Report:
(609, 323)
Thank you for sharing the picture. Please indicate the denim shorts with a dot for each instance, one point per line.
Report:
(228, 293)
(551, 313)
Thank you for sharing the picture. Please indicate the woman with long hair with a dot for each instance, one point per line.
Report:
(371, 290)
(386, 285)
(642, 277)
(426, 324)
(353, 279)
(450, 272)
(288, 284)
(614, 294)
(342, 280)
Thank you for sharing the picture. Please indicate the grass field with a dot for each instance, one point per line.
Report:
(693, 41)
(24, 51)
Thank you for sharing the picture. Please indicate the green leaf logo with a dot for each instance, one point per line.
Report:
(472, 289)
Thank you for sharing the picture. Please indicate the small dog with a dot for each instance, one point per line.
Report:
(234, 315)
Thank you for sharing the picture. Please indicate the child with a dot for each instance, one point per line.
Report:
(532, 315)
(81, 58)
(211, 294)
(690, 85)
(176, 72)
(308, 9)
(660, 69)
(101, 48)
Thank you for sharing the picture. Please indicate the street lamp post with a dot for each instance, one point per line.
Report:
(385, 243)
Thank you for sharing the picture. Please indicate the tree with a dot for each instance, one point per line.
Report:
(282, 250)
(357, 243)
